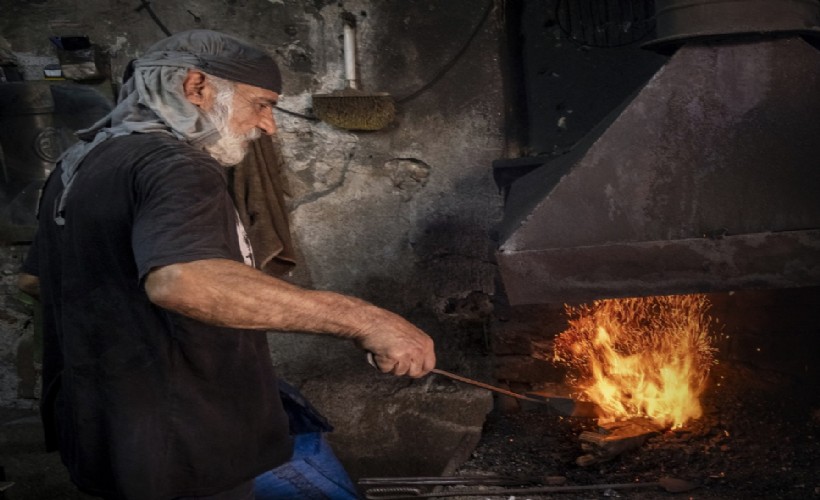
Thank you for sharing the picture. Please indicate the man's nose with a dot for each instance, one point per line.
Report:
(267, 123)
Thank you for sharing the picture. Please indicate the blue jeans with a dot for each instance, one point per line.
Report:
(313, 473)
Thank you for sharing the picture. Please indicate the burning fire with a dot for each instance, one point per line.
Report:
(646, 356)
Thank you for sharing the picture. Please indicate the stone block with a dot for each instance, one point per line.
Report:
(388, 426)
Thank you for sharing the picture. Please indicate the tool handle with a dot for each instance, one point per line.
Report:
(350, 51)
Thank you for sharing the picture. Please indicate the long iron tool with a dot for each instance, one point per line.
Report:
(560, 405)
(669, 484)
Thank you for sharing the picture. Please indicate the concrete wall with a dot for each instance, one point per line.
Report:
(18, 370)
(399, 216)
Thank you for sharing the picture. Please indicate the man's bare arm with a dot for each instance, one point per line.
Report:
(29, 284)
(231, 294)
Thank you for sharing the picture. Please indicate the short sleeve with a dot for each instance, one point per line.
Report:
(183, 212)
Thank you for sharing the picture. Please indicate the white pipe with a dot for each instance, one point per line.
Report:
(350, 55)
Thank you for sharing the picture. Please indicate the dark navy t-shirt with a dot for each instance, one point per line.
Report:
(143, 402)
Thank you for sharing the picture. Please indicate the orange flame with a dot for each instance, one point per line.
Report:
(646, 356)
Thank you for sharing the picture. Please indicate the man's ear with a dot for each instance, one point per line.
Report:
(194, 88)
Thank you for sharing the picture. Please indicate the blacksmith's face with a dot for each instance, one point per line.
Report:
(241, 113)
(253, 109)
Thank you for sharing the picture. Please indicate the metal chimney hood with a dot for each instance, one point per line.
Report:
(707, 180)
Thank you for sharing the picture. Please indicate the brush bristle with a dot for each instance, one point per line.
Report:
(355, 112)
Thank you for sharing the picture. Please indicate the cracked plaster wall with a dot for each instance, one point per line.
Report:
(401, 216)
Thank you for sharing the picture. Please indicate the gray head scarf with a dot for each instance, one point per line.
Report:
(152, 99)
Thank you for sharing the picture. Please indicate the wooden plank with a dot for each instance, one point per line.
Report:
(614, 438)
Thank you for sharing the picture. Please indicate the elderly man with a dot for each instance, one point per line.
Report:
(157, 377)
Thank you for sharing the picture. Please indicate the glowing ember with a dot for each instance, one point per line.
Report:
(647, 356)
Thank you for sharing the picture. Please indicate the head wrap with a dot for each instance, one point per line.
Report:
(152, 98)
(216, 54)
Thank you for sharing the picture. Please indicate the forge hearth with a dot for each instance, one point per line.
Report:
(759, 438)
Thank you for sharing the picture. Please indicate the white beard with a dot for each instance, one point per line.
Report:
(231, 147)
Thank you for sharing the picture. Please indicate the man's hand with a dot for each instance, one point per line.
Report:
(397, 346)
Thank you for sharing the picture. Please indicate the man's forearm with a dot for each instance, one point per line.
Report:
(227, 293)
(231, 294)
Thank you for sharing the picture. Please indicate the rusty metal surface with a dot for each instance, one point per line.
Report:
(679, 21)
(768, 260)
(714, 159)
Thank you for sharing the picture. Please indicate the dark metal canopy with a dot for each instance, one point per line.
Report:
(707, 180)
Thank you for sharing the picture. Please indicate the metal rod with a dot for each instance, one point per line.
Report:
(379, 494)
(449, 480)
(484, 386)
(372, 361)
